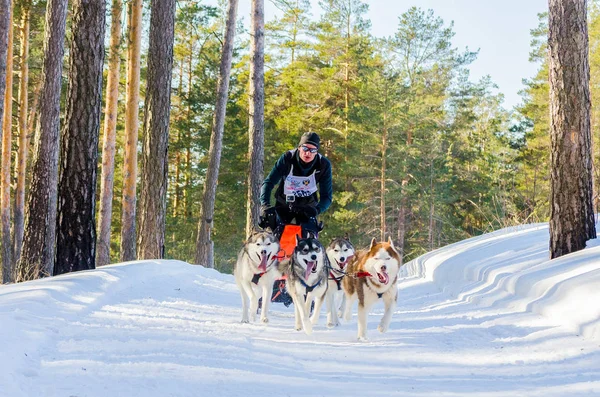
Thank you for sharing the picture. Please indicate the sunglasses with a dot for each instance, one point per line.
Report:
(307, 149)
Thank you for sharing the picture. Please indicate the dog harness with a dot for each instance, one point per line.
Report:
(337, 280)
(256, 277)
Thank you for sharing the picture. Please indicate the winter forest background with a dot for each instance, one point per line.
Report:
(420, 152)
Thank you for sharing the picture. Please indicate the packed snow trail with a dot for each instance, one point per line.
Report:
(489, 316)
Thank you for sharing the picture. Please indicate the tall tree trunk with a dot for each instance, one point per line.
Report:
(402, 211)
(6, 149)
(155, 157)
(204, 245)
(76, 223)
(5, 24)
(384, 145)
(21, 163)
(571, 210)
(37, 257)
(131, 132)
(110, 132)
(256, 132)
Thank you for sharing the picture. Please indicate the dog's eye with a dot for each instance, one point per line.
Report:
(268, 243)
(336, 250)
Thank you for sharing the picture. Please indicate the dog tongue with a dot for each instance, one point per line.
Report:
(383, 277)
(263, 263)
(309, 269)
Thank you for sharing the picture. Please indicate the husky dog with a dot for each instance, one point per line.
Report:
(339, 252)
(306, 272)
(374, 276)
(256, 268)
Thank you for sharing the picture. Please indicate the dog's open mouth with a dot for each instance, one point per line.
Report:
(311, 267)
(343, 264)
(264, 258)
(383, 277)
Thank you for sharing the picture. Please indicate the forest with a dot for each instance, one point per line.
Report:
(420, 152)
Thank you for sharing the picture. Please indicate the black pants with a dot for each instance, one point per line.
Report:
(277, 217)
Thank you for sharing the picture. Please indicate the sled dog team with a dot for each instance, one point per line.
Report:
(316, 274)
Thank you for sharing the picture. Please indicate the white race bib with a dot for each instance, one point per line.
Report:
(299, 186)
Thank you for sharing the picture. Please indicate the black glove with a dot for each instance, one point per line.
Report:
(264, 210)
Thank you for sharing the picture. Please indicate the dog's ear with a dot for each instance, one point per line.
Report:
(268, 229)
(391, 243)
(311, 235)
(297, 239)
(346, 237)
(373, 243)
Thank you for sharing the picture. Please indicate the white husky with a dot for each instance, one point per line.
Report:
(256, 268)
(306, 272)
(374, 276)
(339, 253)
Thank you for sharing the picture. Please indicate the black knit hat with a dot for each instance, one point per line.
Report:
(310, 138)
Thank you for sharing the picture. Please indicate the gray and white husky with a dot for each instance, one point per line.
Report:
(339, 252)
(306, 272)
(256, 269)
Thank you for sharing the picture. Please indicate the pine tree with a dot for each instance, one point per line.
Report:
(153, 193)
(571, 211)
(109, 140)
(76, 223)
(204, 244)
(37, 257)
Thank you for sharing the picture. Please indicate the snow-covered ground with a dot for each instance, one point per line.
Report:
(489, 316)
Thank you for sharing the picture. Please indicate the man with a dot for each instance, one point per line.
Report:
(298, 172)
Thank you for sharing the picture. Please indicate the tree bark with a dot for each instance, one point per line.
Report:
(155, 158)
(571, 221)
(6, 149)
(109, 139)
(131, 132)
(24, 123)
(37, 258)
(256, 111)
(571, 213)
(204, 245)
(76, 223)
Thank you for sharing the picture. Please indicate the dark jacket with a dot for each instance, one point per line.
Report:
(282, 168)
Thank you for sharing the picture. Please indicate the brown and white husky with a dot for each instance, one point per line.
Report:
(372, 276)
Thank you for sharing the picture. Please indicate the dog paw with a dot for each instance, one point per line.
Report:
(332, 325)
(245, 321)
(348, 317)
(382, 328)
(264, 320)
(308, 329)
(298, 328)
(363, 339)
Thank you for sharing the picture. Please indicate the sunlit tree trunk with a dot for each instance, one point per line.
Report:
(6, 149)
(108, 142)
(37, 257)
(128, 232)
(23, 130)
(256, 112)
(571, 211)
(204, 245)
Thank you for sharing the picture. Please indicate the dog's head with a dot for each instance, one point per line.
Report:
(382, 261)
(263, 247)
(309, 255)
(339, 252)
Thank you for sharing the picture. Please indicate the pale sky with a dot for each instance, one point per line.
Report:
(500, 29)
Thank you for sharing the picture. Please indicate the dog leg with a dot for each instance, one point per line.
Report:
(297, 316)
(348, 309)
(362, 322)
(342, 306)
(317, 311)
(390, 305)
(304, 311)
(244, 306)
(266, 300)
(332, 314)
(253, 300)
